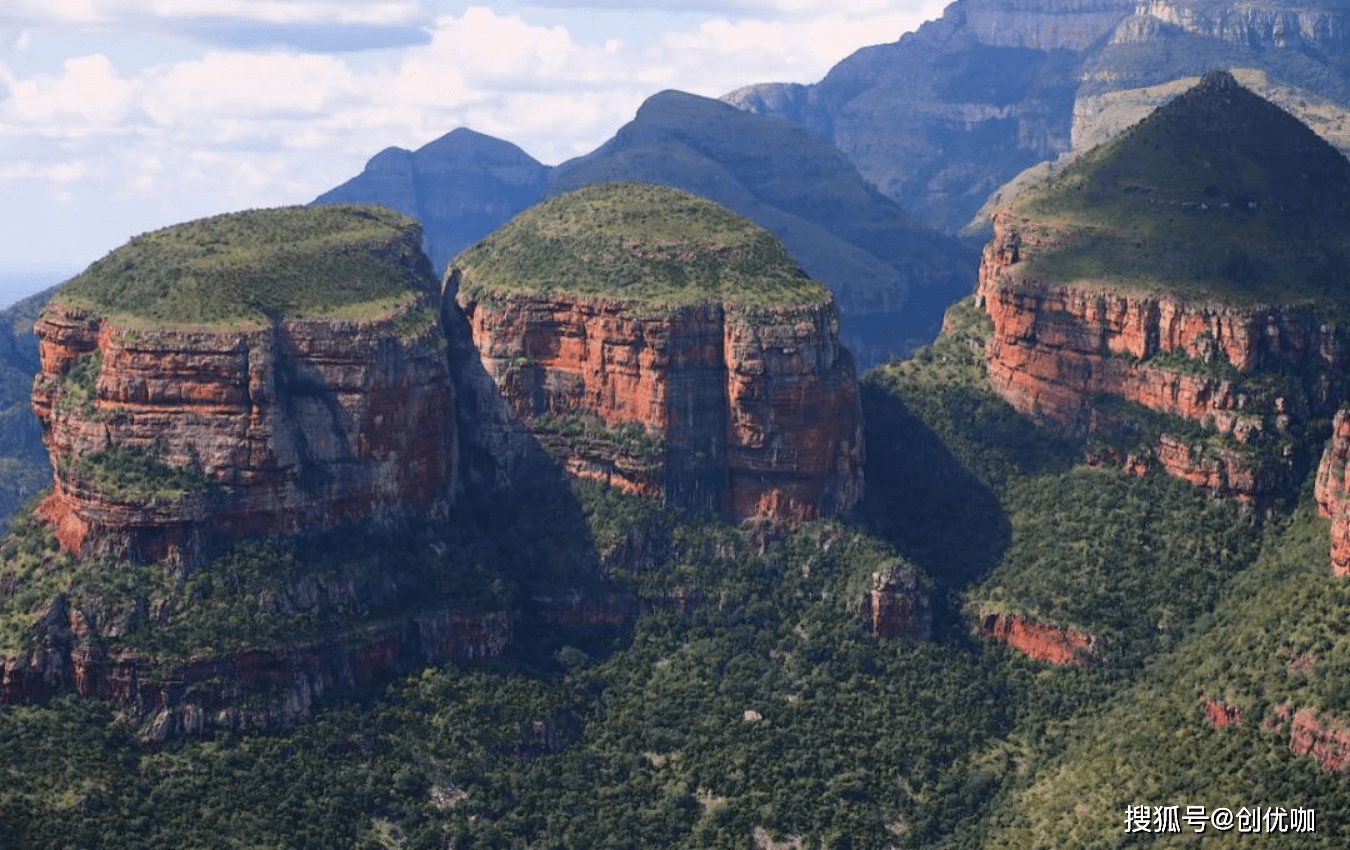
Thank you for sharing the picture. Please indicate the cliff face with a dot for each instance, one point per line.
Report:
(294, 428)
(1059, 348)
(751, 414)
(175, 697)
(1037, 640)
(1333, 491)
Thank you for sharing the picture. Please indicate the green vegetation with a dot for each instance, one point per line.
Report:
(585, 433)
(638, 242)
(1217, 194)
(750, 699)
(337, 261)
(134, 475)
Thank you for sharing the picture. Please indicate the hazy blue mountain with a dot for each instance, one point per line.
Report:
(24, 469)
(946, 115)
(893, 277)
(461, 186)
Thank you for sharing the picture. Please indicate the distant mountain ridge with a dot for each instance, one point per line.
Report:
(892, 275)
(460, 186)
(944, 116)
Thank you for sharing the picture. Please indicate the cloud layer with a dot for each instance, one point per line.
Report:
(283, 100)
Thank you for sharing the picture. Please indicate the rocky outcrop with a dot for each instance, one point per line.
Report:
(897, 606)
(1333, 491)
(750, 413)
(1038, 640)
(1221, 714)
(293, 428)
(251, 689)
(1320, 735)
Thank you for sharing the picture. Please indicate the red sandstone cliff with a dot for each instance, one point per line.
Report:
(1333, 491)
(297, 427)
(754, 414)
(1058, 346)
(1037, 640)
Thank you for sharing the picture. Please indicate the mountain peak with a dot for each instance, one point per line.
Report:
(1218, 80)
(1218, 193)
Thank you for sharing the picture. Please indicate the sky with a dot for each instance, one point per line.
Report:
(123, 116)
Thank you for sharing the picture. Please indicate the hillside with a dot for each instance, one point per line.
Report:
(1218, 194)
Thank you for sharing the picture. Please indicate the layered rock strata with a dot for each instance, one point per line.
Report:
(297, 427)
(1059, 348)
(706, 406)
(175, 697)
(667, 346)
(1333, 491)
(297, 386)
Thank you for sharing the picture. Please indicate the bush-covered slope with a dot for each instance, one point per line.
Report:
(636, 242)
(329, 260)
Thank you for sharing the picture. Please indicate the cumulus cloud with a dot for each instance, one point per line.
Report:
(243, 125)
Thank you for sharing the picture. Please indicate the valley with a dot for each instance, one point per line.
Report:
(694, 493)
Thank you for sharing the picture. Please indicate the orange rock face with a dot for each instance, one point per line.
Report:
(706, 406)
(1322, 736)
(898, 606)
(1333, 491)
(1056, 346)
(298, 427)
(1221, 714)
(1037, 640)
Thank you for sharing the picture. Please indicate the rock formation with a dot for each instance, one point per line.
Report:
(174, 697)
(163, 434)
(1178, 311)
(670, 348)
(1038, 640)
(1333, 491)
(896, 604)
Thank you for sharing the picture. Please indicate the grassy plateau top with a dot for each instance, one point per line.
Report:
(341, 261)
(636, 242)
(1217, 194)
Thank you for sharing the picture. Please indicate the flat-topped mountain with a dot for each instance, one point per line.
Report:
(659, 342)
(265, 372)
(1180, 288)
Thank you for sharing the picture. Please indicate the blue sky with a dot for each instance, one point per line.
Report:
(121, 116)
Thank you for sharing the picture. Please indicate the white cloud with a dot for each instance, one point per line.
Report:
(88, 94)
(236, 128)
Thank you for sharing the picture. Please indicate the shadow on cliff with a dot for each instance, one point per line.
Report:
(515, 493)
(925, 502)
